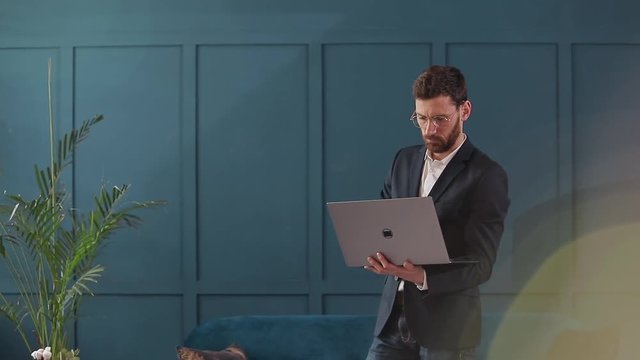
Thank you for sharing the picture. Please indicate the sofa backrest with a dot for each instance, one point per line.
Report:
(335, 337)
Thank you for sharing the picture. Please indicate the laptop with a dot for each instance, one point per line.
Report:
(402, 229)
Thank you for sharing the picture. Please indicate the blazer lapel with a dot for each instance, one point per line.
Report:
(457, 164)
(415, 172)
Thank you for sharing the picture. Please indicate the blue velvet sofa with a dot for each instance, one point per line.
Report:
(295, 337)
(522, 336)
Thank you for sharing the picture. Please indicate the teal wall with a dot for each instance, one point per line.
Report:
(248, 115)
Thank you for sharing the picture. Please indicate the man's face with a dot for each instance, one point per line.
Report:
(440, 136)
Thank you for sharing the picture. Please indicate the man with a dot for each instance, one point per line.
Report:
(433, 312)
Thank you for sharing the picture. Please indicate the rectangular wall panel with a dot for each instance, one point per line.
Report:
(513, 90)
(214, 306)
(606, 175)
(252, 163)
(129, 327)
(367, 106)
(24, 122)
(138, 91)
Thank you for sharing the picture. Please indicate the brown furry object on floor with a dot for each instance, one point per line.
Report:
(233, 352)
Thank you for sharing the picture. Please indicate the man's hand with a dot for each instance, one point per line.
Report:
(407, 271)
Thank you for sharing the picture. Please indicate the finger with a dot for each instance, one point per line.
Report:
(374, 264)
(374, 270)
(370, 268)
(387, 265)
(408, 265)
(383, 260)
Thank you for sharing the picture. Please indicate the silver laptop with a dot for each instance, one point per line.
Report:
(402, 229)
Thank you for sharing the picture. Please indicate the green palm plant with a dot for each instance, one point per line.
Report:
(50, 248)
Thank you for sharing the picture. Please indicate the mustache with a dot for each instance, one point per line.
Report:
(435, 137)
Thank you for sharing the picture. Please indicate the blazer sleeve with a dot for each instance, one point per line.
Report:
(483, 228)
(386, 192)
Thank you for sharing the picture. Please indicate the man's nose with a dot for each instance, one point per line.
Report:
(431, 128)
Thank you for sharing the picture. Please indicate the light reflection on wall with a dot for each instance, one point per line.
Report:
(599, 314)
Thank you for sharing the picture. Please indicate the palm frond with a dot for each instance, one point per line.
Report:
(18, 199)
(48, 178)
(9, 310)
(109, 216)
(36, 223)
(80, 287)
(43, 180)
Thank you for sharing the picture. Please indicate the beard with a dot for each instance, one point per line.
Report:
(437, 144)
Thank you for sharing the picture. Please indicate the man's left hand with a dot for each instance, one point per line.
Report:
(408, 271)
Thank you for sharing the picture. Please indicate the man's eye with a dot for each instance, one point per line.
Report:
(439, 119)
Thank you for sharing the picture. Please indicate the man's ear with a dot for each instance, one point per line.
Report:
(465, 110)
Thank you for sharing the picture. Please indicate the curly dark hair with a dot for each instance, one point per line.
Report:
(440, 80)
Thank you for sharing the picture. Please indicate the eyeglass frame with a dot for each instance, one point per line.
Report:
(444, 119)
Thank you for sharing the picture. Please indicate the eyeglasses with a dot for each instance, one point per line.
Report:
(421, 121)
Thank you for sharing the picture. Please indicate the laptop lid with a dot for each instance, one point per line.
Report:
(402, 229)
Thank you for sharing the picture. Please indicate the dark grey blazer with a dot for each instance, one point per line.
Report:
(471, 199)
